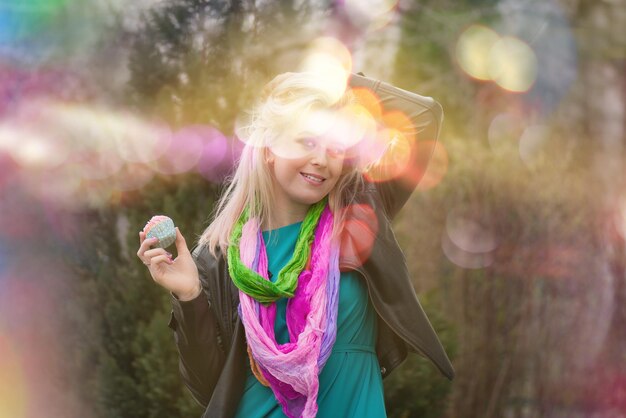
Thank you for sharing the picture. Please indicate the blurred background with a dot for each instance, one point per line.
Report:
(114, 111)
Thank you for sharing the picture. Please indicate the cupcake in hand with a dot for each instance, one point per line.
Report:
(162, 228)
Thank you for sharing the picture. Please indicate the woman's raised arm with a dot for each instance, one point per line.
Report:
(425, 116)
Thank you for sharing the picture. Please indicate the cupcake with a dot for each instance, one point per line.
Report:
(161, 227)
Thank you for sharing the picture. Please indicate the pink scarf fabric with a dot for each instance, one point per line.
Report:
(292, 369)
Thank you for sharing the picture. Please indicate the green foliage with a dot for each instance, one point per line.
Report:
(136, 362)
(156, 363)
(202, 62)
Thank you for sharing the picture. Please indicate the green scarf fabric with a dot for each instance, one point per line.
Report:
(256, 286)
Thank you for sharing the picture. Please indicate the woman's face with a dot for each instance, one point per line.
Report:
(306, 172)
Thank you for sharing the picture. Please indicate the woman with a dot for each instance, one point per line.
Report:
(297, 300)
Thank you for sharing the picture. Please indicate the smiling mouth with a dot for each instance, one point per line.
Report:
(313, 178)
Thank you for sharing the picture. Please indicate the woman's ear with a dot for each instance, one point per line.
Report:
(269, 156)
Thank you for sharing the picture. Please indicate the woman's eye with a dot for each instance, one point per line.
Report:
(307, 142)
(336, 150)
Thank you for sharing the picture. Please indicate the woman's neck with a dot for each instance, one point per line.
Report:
(282, 218)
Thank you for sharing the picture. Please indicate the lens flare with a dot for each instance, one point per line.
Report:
(473, 50)
(399, 121)
(331, 61)
(369, 100)
(183, 152)
(306, 131)
(358, 235)
(352, 124)
(31, 149)
(337, 130)
(394, 159)
(84, 156)
(214, 163)
(512, 64)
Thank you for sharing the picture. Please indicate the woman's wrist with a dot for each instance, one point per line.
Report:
(187, 296)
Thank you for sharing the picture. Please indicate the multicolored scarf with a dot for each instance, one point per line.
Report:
(292, 369)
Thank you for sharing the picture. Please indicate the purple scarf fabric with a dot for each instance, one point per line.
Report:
(292, 369)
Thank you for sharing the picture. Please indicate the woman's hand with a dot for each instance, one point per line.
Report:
(179, 276)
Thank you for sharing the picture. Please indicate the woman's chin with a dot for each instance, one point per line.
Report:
(311, 200)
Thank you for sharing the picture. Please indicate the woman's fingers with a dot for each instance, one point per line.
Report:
(164, 258)
(181, 244)
(152, 253)
(146, 254)
(155, 251)
(145, 244)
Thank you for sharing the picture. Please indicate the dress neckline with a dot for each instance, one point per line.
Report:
(283, 227)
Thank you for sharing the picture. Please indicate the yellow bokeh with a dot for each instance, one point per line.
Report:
(506, 60)
(512, 64)
(330, 59)
(473, 50)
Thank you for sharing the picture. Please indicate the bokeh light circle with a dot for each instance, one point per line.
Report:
(473, 50)
(214, 164)
(469, 233)
(399, 121)
(369, 100)
(505, 128)
(512, 64)
(358, 234)
(330, 59)
(352, 124)
(532, 142)
(183, 152)
(462, 258)
(389, 155)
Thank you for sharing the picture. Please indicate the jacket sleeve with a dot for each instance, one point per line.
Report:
(425, 116)
(198, 339)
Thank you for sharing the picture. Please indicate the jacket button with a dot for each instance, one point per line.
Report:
(383, 370)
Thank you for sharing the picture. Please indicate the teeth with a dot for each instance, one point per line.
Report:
(312, 178)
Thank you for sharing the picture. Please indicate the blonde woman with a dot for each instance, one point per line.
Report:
(296, 301)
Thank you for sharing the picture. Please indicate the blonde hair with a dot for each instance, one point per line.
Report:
(251, 186)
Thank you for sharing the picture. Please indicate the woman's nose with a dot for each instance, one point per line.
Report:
(319, 156)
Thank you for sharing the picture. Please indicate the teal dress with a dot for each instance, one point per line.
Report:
(351, 383)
